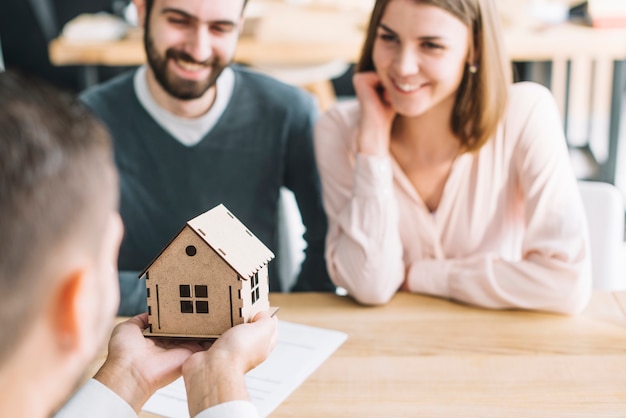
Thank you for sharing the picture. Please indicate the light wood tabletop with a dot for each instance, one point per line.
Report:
(425, 357)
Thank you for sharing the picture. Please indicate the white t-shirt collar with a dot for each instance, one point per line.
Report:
(188, 132)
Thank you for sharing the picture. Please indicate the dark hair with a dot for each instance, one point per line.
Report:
(56, 176)
(482, 97)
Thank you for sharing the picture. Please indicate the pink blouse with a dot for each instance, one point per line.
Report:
(510, 230)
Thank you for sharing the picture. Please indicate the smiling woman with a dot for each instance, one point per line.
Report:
(442, 177)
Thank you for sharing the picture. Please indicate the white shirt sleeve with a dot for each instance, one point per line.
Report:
(363, 245)
(232, 409)
(95, 400)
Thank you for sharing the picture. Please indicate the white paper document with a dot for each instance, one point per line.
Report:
(300, 350)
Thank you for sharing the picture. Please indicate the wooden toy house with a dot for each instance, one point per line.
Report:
(212, 276)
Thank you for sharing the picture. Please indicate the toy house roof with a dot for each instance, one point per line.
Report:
(225, 234)
(239, 247)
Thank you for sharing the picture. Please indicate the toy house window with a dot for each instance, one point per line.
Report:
(202, 306)
(199, 299)
(185, 291)
(186, 306)
(201, 291)
(254, 284)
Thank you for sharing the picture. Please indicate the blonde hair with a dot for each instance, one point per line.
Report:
(482, 96)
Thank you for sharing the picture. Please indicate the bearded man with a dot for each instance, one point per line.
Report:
(192, 130)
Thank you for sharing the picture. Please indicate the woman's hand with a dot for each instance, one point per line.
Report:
(377, 114)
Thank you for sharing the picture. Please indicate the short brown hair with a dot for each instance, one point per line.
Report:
(56, 175)
(482, 97)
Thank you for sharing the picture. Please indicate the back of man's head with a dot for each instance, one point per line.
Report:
(56, 175)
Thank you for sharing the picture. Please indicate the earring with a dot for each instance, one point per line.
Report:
(473, 68)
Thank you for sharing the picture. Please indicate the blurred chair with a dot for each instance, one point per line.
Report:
(604, 206)
(291, 244)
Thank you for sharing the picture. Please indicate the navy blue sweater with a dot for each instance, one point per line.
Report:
(262, 141)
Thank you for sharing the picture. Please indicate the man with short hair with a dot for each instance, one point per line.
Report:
(58, 283)
(191, 131)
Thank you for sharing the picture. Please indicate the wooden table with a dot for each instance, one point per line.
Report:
(426, 357)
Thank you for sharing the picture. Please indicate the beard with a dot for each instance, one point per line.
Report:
(177, 87)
